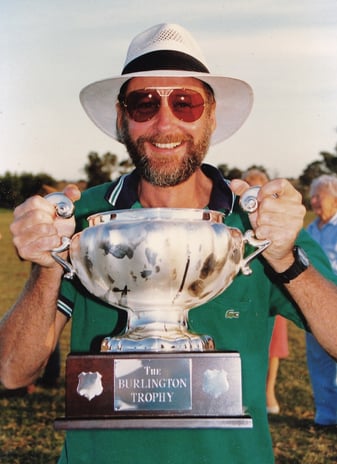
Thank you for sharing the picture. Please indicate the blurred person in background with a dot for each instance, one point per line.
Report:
(322, 367)
(278, 348)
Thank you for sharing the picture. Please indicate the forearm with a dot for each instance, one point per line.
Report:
(317, 299)
(29, 331)
(279, 218)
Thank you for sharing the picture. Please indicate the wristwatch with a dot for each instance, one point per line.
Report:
(300, 264)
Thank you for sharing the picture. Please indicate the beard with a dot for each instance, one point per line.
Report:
(165, 171)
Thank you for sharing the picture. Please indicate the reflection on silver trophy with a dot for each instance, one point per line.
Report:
(157, 264)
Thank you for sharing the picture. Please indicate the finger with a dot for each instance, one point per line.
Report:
(238, 186)
(280, 188)
(72, 192)
(31, 218)
(36, 243)
(33, 241)
(34, 203)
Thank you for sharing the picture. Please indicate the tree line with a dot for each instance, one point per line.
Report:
(15, 188)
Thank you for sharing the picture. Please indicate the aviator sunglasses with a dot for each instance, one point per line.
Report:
(142, 105)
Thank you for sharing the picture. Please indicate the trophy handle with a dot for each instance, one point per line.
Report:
(248, 200)
(249, 204)
(261, 245)
(64, 208)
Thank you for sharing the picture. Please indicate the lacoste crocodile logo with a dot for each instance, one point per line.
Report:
(232, 314)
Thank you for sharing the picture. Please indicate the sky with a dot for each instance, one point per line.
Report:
(285, 49)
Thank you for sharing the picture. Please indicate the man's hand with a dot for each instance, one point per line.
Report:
(279, 218)
(36, 229)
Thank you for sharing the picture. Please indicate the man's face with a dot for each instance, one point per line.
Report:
(165, 149)
(324, 204)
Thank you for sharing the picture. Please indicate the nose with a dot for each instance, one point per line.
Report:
(164, 118)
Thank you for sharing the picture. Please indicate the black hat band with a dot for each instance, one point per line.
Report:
(165, 59)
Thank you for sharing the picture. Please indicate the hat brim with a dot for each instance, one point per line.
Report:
(234, 100)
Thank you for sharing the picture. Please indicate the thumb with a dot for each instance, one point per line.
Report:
(238, 186)
(72, 192)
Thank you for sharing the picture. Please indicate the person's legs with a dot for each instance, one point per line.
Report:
(272, 404)
(323, 376)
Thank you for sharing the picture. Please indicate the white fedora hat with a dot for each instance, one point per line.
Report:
(168, 50)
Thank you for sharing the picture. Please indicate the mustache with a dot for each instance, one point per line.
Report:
(168, 138)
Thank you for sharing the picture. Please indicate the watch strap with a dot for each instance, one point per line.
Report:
(300, 264)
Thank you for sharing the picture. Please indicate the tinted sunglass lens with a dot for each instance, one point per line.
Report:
(142, 106)
(186, 105)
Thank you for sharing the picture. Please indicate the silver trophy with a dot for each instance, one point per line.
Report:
(157, 264)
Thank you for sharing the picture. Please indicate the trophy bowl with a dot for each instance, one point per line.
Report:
(157, 264)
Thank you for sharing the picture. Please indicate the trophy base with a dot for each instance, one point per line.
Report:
(154, 390)
(154, 423)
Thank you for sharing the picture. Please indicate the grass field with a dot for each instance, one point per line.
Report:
(26, 421)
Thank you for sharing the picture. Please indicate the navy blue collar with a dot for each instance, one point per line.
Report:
(124, 192)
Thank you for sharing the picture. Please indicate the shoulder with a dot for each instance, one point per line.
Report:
(118, 194)
(93, 200)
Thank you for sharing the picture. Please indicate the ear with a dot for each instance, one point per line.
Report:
(212, 117)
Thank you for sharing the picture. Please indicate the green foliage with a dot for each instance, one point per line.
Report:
(101, 169)
(229, 173)
(14, 188)
(328, 165)
(236, 173)
(330, 160)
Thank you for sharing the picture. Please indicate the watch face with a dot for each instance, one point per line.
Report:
(302, 256)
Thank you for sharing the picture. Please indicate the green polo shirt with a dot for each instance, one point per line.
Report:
(254, 299)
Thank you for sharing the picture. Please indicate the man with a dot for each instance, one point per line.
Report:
(322, 368)
(169, 109)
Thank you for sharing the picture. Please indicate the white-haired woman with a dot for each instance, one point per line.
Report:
(323, 368)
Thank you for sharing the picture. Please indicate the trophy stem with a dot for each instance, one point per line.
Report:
(157, 330)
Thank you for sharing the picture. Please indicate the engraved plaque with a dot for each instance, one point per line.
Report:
(151, 384)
